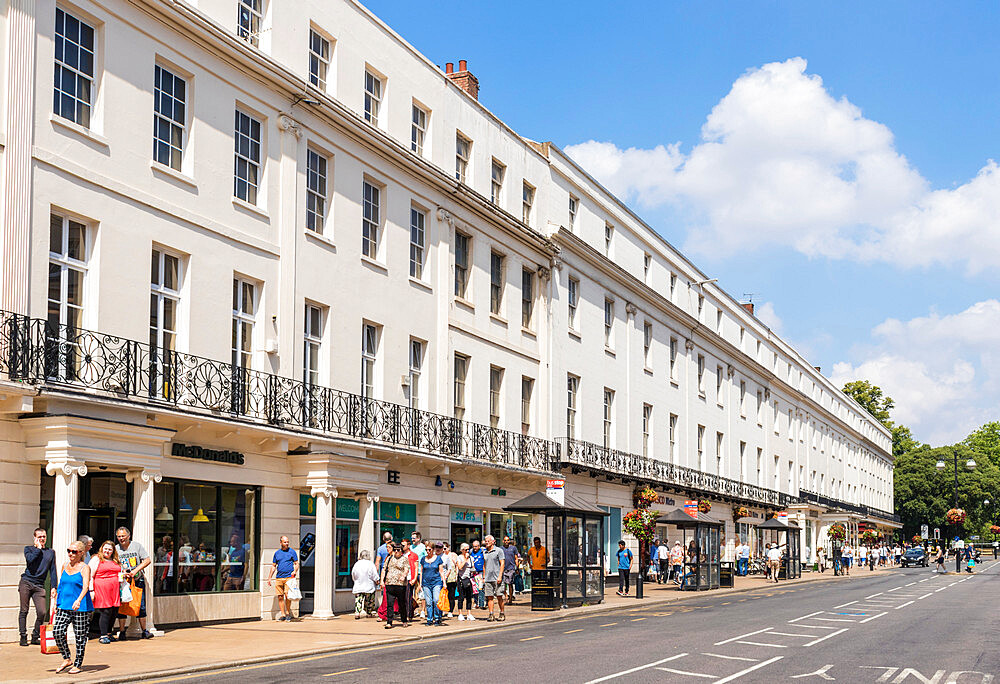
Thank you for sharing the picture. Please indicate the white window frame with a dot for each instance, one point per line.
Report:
(572, 301)
(527, 298)
(647, 429)
(673, 438)
(162, 340)
(496, 396)
(609, 418)
(463, 153)
(67, 264)
(701, 374)
(673, 358)
(527, 390)
(701, 448)
(370, 342)
(497, 173)
(312, 343)
(165, 116)
(250, 154)
(609, 235)
(374, 92)
(419, 125)
(462, 269)
(647, 344)
(249, 20)
(647, 267)
(460, 374)
(609, 323)
(527, 202)
(245, 298)
(372, 218)
(320, 50)
(317, 189)
(720, 443)
(85, 84)
(572, 394)
(574, 207)
(497, 278)
(418, 242)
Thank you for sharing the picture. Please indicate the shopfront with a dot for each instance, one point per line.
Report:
(514, 525)
(466, 525)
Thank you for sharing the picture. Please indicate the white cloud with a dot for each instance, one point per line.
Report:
(782, 162)
(766, 314)
(942, 371)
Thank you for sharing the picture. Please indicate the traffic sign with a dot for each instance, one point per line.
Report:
(923, 531)
(937, 532)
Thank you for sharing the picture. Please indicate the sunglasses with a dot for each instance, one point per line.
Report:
(73, 551)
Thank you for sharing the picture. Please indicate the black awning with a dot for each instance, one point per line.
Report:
(775, 524)
(679, 518)
(541, 503)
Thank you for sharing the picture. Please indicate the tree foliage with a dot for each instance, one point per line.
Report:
(871, 398)
(986, 441)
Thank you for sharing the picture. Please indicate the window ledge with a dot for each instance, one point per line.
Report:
(720, 405)
(79, 130)
(368, 261)
(701, 395)
(157, 167)
(323, 240)
(648, 371)
(465, 304)
(575, 335)
(528, 332)
(416, 282)
(252, 208)
(498, 319)
(674, 383)
(609, 351)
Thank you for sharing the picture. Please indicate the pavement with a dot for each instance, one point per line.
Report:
(255, 644)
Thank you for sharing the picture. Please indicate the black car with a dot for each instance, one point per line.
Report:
(914, 556)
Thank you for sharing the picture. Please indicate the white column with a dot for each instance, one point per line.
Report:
(64, 513)
(366, 526)
(143, 513)
(323, 555)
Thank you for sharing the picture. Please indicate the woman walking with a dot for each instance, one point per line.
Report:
(451, 577)
(365, 578)
(395, 576)
(105, 583)
(432, 571)
(73, 605)
(465, 569)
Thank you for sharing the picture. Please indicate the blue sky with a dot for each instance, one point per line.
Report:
(832, 159)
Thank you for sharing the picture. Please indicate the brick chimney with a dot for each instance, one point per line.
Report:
(748, 306)
(463, 78)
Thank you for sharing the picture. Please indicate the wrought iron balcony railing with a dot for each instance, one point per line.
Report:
(37, 352)
(860, 509)
(623, 464)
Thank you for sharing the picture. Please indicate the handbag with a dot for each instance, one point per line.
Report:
(519, 582)
(48, 640)
(133, 606)
(443, 604)
(294, 593)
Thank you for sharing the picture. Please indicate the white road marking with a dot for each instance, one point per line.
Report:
(735, 638)
(821, 672)
(750, 669)
(941, 589)
(897, 588)
(925, 595)
(874, 595)
(926, 580)
(825, 637)
(911, 584)
(802, 626)
(636, 669)
(685, 672)
(718, 655)
(806, 616)
(844, 605)
(834, 619)
(873, 617)
(790, 634)
(904, 605)
(758, 643)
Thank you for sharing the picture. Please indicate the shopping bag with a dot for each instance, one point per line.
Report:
(443, 604)
(126, 592)
(48, 640)
(134, 604)
(293, 593)
(519, 582)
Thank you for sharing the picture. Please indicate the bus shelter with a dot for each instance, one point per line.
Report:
(573, 534)
(786, 535)
(702, 548)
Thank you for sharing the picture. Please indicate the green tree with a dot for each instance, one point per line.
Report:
(902, 440)
(871, 399)
(986, 441)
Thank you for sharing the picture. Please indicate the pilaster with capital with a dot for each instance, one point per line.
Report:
(366, 528)
(65, 504)
(143, 519)
(326, 498)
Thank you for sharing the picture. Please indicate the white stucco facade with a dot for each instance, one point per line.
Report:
(365, 316)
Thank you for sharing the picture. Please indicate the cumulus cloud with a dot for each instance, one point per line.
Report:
(942, 371)
(768, 316)
(782, 162)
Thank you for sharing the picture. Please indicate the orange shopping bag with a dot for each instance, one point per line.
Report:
(132, 607)
(46, 637)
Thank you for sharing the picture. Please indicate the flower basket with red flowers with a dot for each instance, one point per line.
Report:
(955, 516)
(837, 532)
(641, 523)
(994, 529)
(869, 537)
(917, 539)
(644, 497)
(704, 506)
(740, 512)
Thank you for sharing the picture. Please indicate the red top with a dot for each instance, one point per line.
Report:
(107, 592)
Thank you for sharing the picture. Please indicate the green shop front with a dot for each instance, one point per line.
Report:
(396, 517)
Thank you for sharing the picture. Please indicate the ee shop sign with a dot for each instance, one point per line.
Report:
(203, 454)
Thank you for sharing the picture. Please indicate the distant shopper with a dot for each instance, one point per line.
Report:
(821, 559)
(432, 573)
(381, 554)
(939, 560)
(466, 570)
(284, 564)
(395, 578)
(663, 557)
(105, 575)
(366, 581)
(996, 547)
(677, 561)
(774, 561)
(450, 559)
(73, 606)
(493, 572)
(413, 581)
(742, 558)
(417, 546)
(38, 562)
(134, 559)
(538, 555)
(88, 543)
(511, 565)
(478, 564)
(624, 556)
(863, 555)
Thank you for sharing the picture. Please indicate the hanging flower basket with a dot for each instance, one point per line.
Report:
(917, 539)
(644, 497)
(704, 506)
(869, 537)
(955, 516)
(994, 529)
(740, 512)
(640, 523)
(837, 532)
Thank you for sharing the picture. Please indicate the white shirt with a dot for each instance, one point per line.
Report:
(365, 576)
(774, 554)
(662, 553)
(743, 551)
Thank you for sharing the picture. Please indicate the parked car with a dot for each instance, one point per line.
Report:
(914, 556)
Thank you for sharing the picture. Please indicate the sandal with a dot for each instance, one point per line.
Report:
(490, 618)
(62, 668)
(503, 617)
(74, 670)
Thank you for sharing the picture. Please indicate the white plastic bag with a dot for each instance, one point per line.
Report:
(126, 592)
(294, 593)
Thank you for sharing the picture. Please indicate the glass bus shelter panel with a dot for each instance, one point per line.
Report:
(554, 532)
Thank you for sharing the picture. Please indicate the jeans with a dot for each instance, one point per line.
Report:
(481, 599)
(623, 580)
(741, 567)
(431, 595)
(31, 593)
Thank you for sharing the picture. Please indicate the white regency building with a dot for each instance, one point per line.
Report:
(266, 270)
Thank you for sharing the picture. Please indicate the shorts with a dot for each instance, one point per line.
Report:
(281, 586)
(492, 589)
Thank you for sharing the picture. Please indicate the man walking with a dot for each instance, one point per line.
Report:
(774, 561)
(284, 563)
(624, 557)
(511, 563)
(38, 562)
(133, 559)
(493, 572)
(663, 556)
(477, 566)
(743, 558)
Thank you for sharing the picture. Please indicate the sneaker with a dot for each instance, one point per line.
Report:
(105, 640)
(461, 618)
(146, 634)
(24, 640)
(449, 615)
(470, 617)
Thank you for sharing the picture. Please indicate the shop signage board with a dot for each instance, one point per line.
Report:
(201, 453)
(397, 512)
(467, 515)
(691, 508)
(556, 490)
(307, 505)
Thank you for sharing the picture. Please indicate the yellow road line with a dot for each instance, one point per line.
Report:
(476, 648)
(357, 669)
(637, 619)
(609, 624)
(413, 660)
(572, 631)
(532, 638)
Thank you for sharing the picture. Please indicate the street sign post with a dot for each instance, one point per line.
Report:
(937, 532)
(923, 531)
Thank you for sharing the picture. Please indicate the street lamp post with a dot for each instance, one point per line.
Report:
(971, 465)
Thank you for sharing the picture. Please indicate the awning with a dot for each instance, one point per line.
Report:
(775, 524)
(679, 518)
(541, 503)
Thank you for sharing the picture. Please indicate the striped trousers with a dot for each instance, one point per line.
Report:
(81, 629)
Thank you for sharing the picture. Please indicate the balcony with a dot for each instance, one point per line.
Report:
(611, 462)
(860, 509)
(70, 359)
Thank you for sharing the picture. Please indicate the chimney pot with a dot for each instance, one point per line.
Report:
(463, 78)
(449, 67)
(748, 306)
(463, 65)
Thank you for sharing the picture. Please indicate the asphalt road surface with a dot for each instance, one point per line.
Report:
(891, 628)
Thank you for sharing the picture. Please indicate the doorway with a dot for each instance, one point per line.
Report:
(105, 504)
(464, 534)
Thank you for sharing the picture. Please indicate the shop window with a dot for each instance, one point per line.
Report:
(206, 538)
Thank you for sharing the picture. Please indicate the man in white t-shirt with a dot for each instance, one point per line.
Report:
(663, 557)
(774, 561)
(743, 558)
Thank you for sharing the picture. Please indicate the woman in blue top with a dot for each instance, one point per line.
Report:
(73, 605)
(432, 569)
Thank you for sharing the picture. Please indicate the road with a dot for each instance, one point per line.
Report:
(890, 628)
